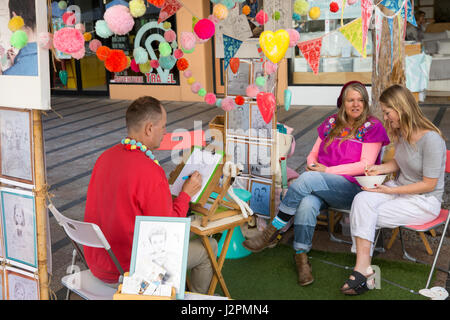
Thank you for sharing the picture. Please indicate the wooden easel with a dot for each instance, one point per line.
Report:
(209, 214)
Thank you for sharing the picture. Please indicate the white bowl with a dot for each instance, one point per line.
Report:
(370, 181)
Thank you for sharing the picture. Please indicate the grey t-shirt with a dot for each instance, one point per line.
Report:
(426, 158)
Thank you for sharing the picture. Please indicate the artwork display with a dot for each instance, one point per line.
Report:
(238, 151)
(16, 146)
(21, 285)
(258, 127)
(238, 121)
(261, 193)
(260, 160)
(271, 79)
(237, 83)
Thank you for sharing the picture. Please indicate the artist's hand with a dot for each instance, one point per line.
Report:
(193, 184)
(316, 167)
(11, 55)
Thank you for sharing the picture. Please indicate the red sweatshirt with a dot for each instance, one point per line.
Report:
(125, 184)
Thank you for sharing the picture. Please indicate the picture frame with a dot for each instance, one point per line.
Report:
(2, 283)
(238, 121)
(260, 159)
(16, 147)
(21, 285)
(260, 202)
(238, 151)
(31, 73)
(271, 79)
(259, 129)
(2, 246)
(18, 214)
(165, 242)
(237, 83)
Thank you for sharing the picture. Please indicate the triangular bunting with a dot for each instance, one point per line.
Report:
(366, 15)
(393, 5)
(352, 31)
(410, 14)
(378, 26)
(311, 52)
(169, 8)
(391, 32)
(230, 47)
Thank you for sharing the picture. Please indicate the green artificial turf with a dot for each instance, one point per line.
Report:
(272, 275)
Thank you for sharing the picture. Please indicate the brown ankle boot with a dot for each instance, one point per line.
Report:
(304, 269)
(268, 238)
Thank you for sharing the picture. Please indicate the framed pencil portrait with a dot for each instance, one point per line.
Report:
(259, 129)
(260, 160)
(160, 251)
(18, 216)
(260, 202)
(238, 121)
(21, 285)
(236, 83)
(238, 150)
(16, 147)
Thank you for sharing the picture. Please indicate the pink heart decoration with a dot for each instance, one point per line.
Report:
(266, 104)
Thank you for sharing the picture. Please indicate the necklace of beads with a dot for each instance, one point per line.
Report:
(131, 144)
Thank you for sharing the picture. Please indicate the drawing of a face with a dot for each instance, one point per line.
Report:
(158, 240)
(19, 291)
(19, 219)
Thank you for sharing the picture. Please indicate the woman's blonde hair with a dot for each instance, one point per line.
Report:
(411, 117)
(342, 118)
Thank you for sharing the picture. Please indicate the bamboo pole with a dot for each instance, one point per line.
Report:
(41, 212)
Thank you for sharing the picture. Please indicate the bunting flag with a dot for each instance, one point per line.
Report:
(230, 47)
(169, 8)
(378, 26)
(391, 32)
(352, 31)
(393, 5)
(409, 13)
(311, 52)
(366, 15)
(342, 13)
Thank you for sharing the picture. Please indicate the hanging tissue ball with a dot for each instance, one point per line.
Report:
(187, 74)
(87, 36)
(210, 98)
(170, 35)
(182, 64)
(102, 29)
(228, 104)
(80, 27)
(246, 10)
(294, 37)
(145, 67)
(195, 87)
(157, 3)
(167, 62)
(228, 3)
(276, 15)
(260, 81)
(134, 66)
(137, 8)
(119, 19)
(103, 52)
(213, 18)
(68, 40)
(128, 62)
(45, 40)
(94, 45)
(220, 11)
(191, 80)
(62, 5)
(239, 100)
(301, 7)
(314, 13)
(296, 17)
(140, 55)
(167, 25)
(204, 29)
(178, 53)
(352, 2)
(164, 49)
(334, 7)
(219, 103)
(252, 90)
(69, 18)
(269, 67)
(19, 39)
(187, 40)
(79, 54)
(202, 92)
(154, 64)
(116, 61)
(16, 23)
(261, 17)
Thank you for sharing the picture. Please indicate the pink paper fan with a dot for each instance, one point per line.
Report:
(68, 40)
(119, 19)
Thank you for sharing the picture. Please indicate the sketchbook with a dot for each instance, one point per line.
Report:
(203, 161)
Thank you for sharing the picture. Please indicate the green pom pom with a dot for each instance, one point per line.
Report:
(62, 5)
(276, 16)
(260, 81)
(19, 39)
(202, 92)
(167, 25)
(165, 49)
(301, 7)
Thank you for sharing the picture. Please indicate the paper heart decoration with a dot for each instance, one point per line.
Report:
(274, 45)
(63, 77)
(234, 64)
(266, 104)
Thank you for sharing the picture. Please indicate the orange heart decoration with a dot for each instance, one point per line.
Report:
(234, 64)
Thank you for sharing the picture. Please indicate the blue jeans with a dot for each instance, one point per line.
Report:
(310, 193)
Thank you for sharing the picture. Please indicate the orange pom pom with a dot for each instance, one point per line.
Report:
(239, 100)
(246, 10)
(116, 61)
(157, 3)
(103, 52)
(182, 64)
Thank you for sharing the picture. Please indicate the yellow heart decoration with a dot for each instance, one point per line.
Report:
(274, 45)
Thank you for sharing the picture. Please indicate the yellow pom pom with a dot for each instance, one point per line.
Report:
(16, 23)
(87, 36)
(137, 8)
(220, 11)
(133, 147)
(145, 67)
(167, 25)
(128, 62)
(314, 13)
(191, 80)
(127, 140)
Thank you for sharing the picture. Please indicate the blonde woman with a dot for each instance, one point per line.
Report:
(414, 197)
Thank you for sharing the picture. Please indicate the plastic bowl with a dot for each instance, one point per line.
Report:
(370, 181)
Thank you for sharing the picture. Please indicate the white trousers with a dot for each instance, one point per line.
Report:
(372, 210)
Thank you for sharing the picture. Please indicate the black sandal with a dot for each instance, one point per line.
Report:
(358, 285)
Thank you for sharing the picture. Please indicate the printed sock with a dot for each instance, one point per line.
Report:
(280, 220)
(299, 251)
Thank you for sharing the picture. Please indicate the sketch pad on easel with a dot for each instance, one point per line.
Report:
(203, 161)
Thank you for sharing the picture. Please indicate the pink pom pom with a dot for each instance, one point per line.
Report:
(170, 35)
(119, 19)
(261, 17)
(294, 37)
(210, 98)
(213, 19)
(45, 40)
(94, 45)
(228, 104)
(178, 54)
(154, 64)
(196, 86)
(69, 18)
(187, 74)
(80, 27)
(188, 40)
(79, 54)
(68, 40)
(252, 90)
(204, 29)
(270, 67)
(134, 66)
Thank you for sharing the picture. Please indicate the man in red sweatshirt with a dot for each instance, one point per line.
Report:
(127, 181)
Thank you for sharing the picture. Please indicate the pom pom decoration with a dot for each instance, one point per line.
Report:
(227, 104)
(294, 37)
(296, 17)
(68, 40)
(103, 53)
(145, 67)
(137, 8)
(276, 15)
(167, 62)
(213, 18)
(202, 92)
(210, 98)
(116, 61)
(62, 5)
(134, 66)
(87, 36)
(178, 53)
(45, 40)
(195, 87)
(187, 51)
(170, 36)
(157, 3)
(219, 103)
(164, 49)
(314, 13)
(270, 67)
(140, 55)
(102, 29)
(16, 23)
(187, 40)
(246, 10)
(167, 25)
(260, 81)
(80, 27)
(69, 18)
(220, 11)
(228, 3)
(334, 7)
(204, 29)
(301, 7)
(182, 64)
(94, 45)
(119, 19)
(262, 17)
(187, 74)
(191, 80)
(252, 90)
(79, 54)
(239, 100)
(19, 39)
(154, 64)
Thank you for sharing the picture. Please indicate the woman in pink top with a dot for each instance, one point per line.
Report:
(348, 142)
